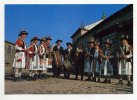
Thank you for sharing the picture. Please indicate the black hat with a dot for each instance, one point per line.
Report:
(23, 32)
(48, 38)
(68, 43)
(108, 42)
(124, 37)
(43, 39)
(91, 40)
(35, 38)
(58, 41)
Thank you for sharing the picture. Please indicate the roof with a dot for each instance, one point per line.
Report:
(9, 42)
(88, 27)
(120, 12)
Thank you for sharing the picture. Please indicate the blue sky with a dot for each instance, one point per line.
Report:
(57, 21)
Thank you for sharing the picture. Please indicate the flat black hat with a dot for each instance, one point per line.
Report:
(68, 43)
(58, 41)
(35, 38)
(23, 32)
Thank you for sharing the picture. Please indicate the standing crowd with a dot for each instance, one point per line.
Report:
(92, 61)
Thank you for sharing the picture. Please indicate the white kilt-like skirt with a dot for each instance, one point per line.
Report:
(125, 68)
(34, 63)
(88, 66)
(106, 68)
(19, 60)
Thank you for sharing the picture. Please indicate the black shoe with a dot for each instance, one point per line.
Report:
(16, 79)
(120, 82)
(129, 84)
(105, 81)
(109, 81)
(40, 76)
(94, 79)
(20, 79)
(29, 79)
(44, 76)
(35, 77)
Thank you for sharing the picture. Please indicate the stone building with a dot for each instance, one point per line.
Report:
(9, 56)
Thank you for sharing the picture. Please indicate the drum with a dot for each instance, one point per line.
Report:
(67, 65)
(58, 59)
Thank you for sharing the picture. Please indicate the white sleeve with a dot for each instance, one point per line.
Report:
(30, 52)
(129, 55)
(18, 48)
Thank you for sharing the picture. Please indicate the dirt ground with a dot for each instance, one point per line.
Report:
(64, 86)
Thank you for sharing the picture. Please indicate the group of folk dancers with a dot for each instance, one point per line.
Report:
(92, 60)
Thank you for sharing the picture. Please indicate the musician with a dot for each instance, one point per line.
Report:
(41, 51)
(125, 55)
(48, 56)
(19, 60)
(68, 55)
(89, 59)
(107, 63)
(97, 61)
(79, 61)
(34, 59)
(56, 68)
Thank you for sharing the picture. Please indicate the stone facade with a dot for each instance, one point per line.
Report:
(9, 56)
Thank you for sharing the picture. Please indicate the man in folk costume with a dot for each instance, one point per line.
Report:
(107, 63)
(48, 56)
(41, 50)
(57, 69)
(89, 59)
(125, 55)
(79, 59)
(68, 55)
(19, 61)
(34, 59)
(97, 61)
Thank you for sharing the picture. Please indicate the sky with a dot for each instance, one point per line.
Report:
(57, 21)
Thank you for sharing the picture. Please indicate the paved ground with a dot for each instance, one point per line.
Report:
(63, 86)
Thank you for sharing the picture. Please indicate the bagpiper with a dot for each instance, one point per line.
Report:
(97, 57)
(34, 59)
(41, 53)
(88, 60)
(58, 58)
(19, 60)
(107, 62)
(68, 60)
(48, 55)
(125, 55)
